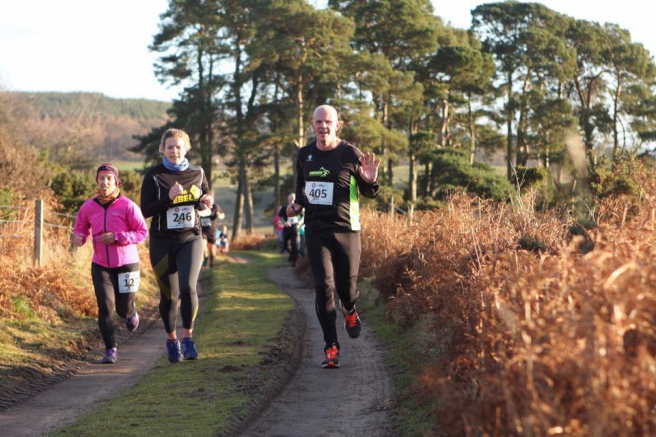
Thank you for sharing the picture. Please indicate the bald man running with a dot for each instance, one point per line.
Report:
(331, 175)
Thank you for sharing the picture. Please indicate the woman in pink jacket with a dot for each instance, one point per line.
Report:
(117, 226)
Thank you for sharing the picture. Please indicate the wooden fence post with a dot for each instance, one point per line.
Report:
(38, 232)
(391, 211)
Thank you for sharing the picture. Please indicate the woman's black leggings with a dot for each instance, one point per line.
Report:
(105, 284)
(335, 260)
(177, 266)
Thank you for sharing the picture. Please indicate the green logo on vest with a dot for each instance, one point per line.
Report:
(322, 173)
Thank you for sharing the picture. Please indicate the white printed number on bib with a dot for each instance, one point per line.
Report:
(319, 193)
(128, 282)
(181, 217)
(205, 222)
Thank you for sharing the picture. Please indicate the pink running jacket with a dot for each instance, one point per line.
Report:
(122, 217)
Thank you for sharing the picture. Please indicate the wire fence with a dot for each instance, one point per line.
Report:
(26, 230)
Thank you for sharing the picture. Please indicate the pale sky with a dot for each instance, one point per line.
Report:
(92, 45)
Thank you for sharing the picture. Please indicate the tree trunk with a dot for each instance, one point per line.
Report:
(390, 171)
(444, 123)
(239, 206)
(300, 140)
(385, 158)
(472, 132)
(426, 181)
(510, 155)
(237, 85)
(521, 147)
(248, 202)
(276, 184)
(412, 182)
(412, 167)
(616, 105)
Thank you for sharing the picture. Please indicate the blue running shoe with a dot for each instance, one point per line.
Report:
(111, 355)
(132, 322)
(173, 350)
(189, 349)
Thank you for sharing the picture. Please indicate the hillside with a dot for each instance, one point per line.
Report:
(73, 126)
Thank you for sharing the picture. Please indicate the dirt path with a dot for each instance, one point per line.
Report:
(79, 394)
(348, 401)
(62, 403)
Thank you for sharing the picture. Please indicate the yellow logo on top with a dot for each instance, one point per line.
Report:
(192, 195)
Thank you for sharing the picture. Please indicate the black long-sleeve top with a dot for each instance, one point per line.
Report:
(165, 212)
(328, 185)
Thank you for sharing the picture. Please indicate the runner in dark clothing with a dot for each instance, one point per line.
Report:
(289, 231)
(172, 193)
(331, 175)
(210, 224)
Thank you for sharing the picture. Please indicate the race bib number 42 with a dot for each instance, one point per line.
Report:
(319, 193)
(181, 217)
(128, 282)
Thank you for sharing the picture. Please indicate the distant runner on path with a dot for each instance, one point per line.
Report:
(331, 174)
(172, 193)
(117, 226)
(209, 222)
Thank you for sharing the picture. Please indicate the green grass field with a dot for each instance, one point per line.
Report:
(236, 328)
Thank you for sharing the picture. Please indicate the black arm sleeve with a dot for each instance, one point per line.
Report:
(150, 203)
(300, 183)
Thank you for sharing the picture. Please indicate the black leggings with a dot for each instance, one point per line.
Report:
(289, 234)
(335, 260)
(105, 284)
(177, 266)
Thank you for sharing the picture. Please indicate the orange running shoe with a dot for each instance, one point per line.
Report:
(352, 322)
(332, 358)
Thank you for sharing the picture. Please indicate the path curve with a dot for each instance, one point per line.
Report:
(83, 391)
(350, 401)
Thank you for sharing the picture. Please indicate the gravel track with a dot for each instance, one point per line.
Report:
(353, 400)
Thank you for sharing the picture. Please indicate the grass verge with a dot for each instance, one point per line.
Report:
(50, 325)
(235, 333)
(412, 414)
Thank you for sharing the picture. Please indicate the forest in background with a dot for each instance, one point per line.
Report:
(570, 96)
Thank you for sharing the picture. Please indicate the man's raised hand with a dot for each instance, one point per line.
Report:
(369, 167)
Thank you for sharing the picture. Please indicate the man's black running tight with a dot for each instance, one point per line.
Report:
(335, 260)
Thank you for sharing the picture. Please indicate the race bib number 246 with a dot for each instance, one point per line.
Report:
(181, 217)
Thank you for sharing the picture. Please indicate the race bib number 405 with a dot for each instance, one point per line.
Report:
(128, 282)
(181, 217)
(319, 193)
